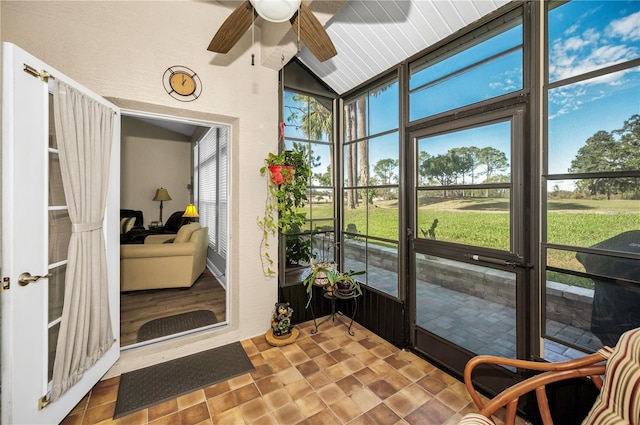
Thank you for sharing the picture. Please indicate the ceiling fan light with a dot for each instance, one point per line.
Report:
(276, 10)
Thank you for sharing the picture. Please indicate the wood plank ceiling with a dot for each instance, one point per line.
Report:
(371, 36)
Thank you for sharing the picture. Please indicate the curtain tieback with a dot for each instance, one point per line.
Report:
(86, 227)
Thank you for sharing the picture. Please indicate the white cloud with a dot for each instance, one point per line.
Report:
(590, 50)
(572, 29)
(574, 43)
(627, 28)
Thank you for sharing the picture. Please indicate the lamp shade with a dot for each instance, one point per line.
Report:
(162, 195)
(190, 211)
(276, 10)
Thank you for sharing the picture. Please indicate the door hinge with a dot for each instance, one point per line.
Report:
(43, 402)
(42, 75)
(6, 283)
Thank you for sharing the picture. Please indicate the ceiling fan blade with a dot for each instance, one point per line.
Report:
(313, 34)
(233, 28)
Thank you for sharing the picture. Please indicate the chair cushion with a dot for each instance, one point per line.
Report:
(619, 400)
(184, 234)
(126, 224)
(475, 419)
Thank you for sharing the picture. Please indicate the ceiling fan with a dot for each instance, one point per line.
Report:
(303, 22)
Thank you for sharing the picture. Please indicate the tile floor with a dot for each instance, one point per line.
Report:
(325, 378)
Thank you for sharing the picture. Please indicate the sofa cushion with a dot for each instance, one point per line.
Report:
(184, 234)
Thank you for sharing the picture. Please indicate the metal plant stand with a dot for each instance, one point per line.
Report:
(335, 295)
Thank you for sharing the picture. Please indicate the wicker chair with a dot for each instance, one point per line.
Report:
(618, 402)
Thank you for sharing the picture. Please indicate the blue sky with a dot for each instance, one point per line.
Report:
(583, 36)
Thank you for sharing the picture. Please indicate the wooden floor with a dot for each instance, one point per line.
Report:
(139, 307)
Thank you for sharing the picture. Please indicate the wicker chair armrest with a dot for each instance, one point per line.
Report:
(588, 366)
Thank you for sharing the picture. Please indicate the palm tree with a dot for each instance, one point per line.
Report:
(316, 120)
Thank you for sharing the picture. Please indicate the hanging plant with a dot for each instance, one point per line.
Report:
(286, 193)
(280, 167)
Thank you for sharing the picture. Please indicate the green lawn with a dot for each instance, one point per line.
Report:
(485, 222)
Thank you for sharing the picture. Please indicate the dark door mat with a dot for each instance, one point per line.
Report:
(154, 384)
(175, 324)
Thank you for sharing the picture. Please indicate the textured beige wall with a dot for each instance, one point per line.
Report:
(152, 157)
(120, 49)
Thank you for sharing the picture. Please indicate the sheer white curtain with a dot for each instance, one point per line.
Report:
(84, 130)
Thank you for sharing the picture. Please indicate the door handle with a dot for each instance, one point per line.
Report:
(25, 278)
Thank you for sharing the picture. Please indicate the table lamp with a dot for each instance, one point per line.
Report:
(191, 213)
(161, 195)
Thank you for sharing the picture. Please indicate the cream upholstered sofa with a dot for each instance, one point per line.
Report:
(165, 261)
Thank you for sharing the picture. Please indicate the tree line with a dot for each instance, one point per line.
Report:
(614, 151)
(604, 152)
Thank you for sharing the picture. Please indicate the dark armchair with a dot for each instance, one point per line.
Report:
(131, 223)
(175, 222)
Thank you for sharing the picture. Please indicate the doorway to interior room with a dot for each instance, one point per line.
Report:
(159, 151)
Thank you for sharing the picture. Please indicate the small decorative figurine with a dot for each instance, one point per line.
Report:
(281, 323)
(282, 332)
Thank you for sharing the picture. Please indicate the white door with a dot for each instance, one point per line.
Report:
(34, 227)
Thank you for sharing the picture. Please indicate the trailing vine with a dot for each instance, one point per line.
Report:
(284, 199)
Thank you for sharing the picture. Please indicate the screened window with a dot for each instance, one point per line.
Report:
(309, 125)
(371, 175)
(487, 66)
(592, 172)
(210, 181)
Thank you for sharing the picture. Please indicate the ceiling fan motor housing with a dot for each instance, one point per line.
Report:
(276, 10)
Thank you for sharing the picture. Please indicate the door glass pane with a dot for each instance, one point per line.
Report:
(56, 292)
(464, 192)
(479, 220)
(59, 235)
(56, 191)
(470, 305)
(473, 156)
(53, 142)
(53, 333)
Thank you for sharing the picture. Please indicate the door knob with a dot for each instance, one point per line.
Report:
(25, 278)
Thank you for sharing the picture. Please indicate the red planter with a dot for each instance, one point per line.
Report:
(281, 173)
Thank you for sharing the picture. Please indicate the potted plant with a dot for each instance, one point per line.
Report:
(280, 167)
(338, 284)
(285, 195)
